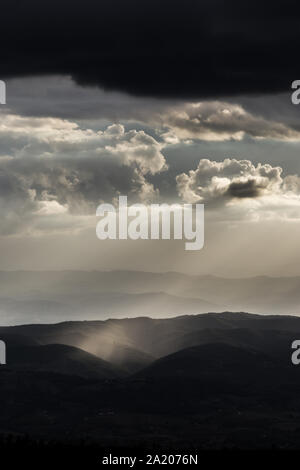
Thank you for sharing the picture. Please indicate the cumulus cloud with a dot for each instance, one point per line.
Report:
(238, 191)
(25, 136)
(241, 190)
(230, 179)
(52, 166)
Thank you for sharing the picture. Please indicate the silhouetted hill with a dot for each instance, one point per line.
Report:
(275, 343)
(214, 381)
(137, 341)
(216, 362)
(61, 359)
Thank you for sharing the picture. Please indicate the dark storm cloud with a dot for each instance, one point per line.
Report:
(242, 189)
(159, 48)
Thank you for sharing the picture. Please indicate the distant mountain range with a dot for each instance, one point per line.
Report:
(48, 297)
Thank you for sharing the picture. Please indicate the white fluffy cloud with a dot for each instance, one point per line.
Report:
(242, 189)
(24, 136)
(230, 179)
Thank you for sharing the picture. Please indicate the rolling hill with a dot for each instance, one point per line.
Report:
(60, 359)
(213, 381)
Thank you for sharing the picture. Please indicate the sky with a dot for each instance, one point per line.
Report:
(186, 102)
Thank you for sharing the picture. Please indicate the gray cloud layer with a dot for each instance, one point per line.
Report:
(219, 121)
(56, 170)
(258, 117)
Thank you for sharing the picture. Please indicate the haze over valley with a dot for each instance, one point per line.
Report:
(54, 296)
